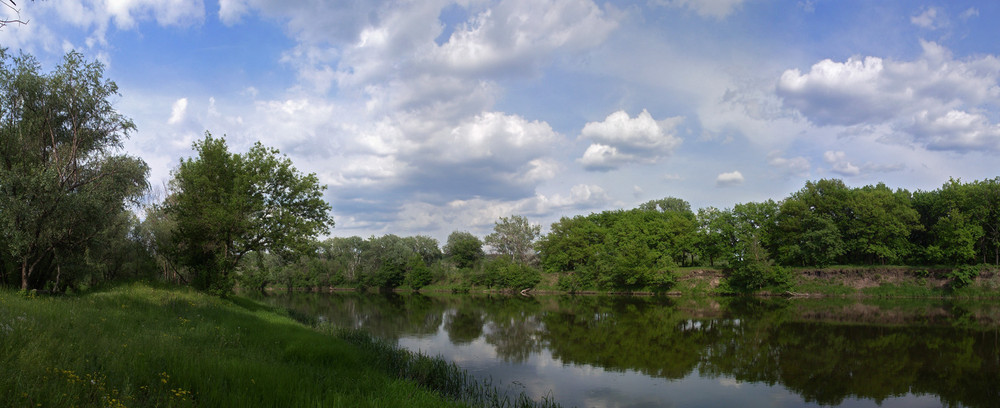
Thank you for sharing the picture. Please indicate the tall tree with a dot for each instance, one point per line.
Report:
(464, 249)
(228, 204)
(61, 181)
(514, 237)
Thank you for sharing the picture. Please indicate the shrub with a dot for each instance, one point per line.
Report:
(961, 277)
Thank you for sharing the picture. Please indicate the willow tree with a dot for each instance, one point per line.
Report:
(226, 205)
(514, 237)
(62, 180)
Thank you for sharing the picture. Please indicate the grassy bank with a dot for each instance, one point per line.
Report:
(136, 345)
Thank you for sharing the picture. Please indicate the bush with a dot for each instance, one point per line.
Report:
(504, 273)
(961, 277)
(419, 275)
(748, 277)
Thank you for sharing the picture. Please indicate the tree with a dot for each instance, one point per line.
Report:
(751, 265)
(713, 231)
(227, 205)
(464, 249)
(347, 254)
(514, 237)
(668, 205)
(61, 182)
(385, 261)
(424, 246)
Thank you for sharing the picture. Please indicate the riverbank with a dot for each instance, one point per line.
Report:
(136, 345)
(836, 281)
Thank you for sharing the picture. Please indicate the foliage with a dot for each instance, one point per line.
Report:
(962, 277)
(503, 273)
(418, 274)
(464, 249)
(63, 188)
(514, 237)
(227, 205)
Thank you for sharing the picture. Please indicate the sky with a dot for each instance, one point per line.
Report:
(432, 116)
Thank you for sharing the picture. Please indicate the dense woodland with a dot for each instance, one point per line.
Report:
(69, 201)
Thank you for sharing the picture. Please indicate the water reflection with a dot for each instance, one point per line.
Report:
(629, 351)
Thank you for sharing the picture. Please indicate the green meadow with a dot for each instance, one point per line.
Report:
(138, 345)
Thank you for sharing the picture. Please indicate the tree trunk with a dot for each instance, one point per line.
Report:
(24, 274)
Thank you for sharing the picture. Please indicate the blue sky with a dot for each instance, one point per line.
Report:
(426, 117)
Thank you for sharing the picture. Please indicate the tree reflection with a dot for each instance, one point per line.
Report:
(826, 350)
(464, 325)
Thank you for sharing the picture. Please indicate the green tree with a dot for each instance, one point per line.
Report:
(418, 274)
(806, 237)
(228, 204)
(384, 262)
(514, 237)
(346, 254)
(464, 249)
(881, 224)
(713, 232)
(668, 205)
(571, 245)
(751, 264)
(424, 246)
(61, 181)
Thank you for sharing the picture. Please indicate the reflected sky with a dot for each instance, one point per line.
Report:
(588, 386)
(661, 352)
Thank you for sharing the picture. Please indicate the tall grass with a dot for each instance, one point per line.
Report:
(136, 345)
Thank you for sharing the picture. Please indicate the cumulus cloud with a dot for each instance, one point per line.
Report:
(840, 165)
(517, 33)
(620, 140)
(100, 15)
(718, 9)
(916, 98)
(956, 130)
(733, 178)
(798, 166)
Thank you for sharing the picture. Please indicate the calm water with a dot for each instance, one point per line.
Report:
(599, 351)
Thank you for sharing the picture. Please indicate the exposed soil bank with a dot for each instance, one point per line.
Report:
(845, 281)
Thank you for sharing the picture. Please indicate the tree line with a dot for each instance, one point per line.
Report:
(824, 223)
(69, 199)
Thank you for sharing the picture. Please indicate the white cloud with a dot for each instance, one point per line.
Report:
(840, 165)
(231, 11)
(718, 9)
(620, 140)
(517, 34)
(479, 214)
(929, 19)
(956, 130)
(733, 178)
(177, 111)
(797, 166)
(904, 95)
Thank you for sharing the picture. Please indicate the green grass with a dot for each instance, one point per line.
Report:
(136, 345)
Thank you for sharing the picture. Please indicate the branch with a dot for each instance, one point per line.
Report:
(13, 6)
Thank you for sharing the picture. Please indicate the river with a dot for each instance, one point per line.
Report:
(605, 351)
